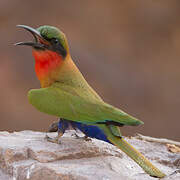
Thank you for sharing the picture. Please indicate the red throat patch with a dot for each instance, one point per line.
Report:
(46, 61)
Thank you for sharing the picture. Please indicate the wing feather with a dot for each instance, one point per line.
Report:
(72, 106)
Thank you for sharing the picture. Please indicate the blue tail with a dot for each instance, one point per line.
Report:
(88, 130)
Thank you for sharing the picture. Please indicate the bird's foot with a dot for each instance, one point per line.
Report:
(86, 138)
(55, 139)
(53, 127)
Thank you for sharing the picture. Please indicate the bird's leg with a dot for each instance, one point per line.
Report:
(76, 127)
(61, 127)
(86, 138)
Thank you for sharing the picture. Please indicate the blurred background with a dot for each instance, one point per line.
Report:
(129, 51)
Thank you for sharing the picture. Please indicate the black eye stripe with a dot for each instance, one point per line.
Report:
(56, 46)
(60, 49)
(55, 41)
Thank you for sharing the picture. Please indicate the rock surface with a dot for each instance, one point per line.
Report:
(27, 155)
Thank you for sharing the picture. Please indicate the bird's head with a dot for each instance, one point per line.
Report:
(47, 38)
(50, 49)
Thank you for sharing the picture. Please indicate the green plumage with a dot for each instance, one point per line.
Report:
(71, 103)
(66, 94)
(74, 105)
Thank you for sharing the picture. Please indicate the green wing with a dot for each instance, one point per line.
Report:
(76, 105)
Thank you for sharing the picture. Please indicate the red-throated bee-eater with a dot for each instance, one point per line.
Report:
(66, 94)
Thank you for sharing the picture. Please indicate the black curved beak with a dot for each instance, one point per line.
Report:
(40, 42)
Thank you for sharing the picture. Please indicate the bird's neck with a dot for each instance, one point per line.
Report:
(71, 77)
(51, 67)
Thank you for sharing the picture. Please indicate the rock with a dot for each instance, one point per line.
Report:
(26, 155)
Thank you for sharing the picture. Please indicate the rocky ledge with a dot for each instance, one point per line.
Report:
(26, 155)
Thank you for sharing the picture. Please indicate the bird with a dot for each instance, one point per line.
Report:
(65, 93)
(88, 130)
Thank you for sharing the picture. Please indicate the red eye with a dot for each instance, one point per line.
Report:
(55, 41)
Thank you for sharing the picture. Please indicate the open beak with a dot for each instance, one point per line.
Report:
(39, 42)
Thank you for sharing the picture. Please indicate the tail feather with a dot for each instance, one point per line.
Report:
(134, 154)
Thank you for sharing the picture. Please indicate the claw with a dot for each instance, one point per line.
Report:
(54, 140)
(85, 138)
(75, 135)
